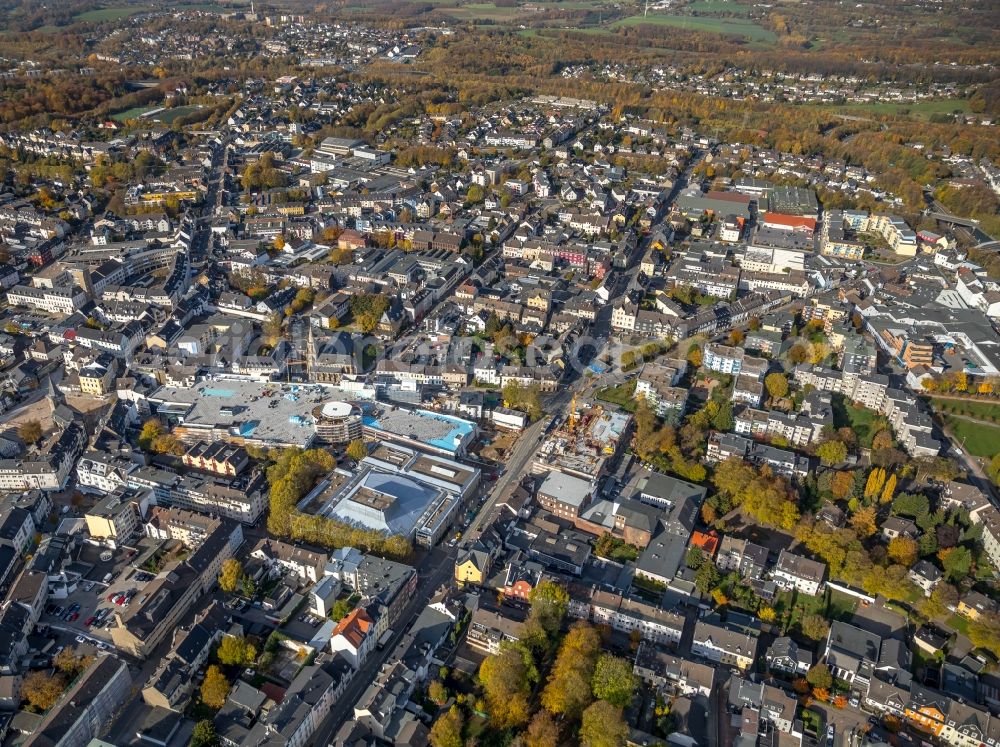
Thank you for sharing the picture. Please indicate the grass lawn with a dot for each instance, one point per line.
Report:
(109, 14)
(727, 26)
(958, 623)
(622, 395)
(920, 109)
(169, 115)
(970, 408)
(134, 113)
(979, 439)
(841, 606)
(717, 6)
(864, 422)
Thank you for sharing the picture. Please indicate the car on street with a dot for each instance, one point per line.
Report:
(830, 733)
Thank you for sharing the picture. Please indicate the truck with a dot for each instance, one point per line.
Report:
(384, 639)
(108, 577)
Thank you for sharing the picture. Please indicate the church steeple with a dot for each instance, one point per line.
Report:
(53, 396)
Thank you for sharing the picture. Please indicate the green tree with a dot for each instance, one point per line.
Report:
(549, 603)
(957, 562)
(914, 505)
(214, 688)
(204, 734)
(341, 608)
(447, 730)
(474, 194)
(230, 575)
(819, 676)
(613, 680)
(248, 586)
(602, 726)
(694, 558)
(706, 578)
(368, 309)
(356, 450)
(526, 398)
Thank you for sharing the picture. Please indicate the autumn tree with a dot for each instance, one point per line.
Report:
(889, 489)
(814, 627)
(602, 726)
(831, 452)
(841, 484)
(882, 440)
(505, 678)
(568, 691)
(543, 731)
(236, 651)
(447, 730)
(356, 450)
(437, 692)
(777, 385)
(865, 522)
(984, 632)
(67, 662)
(230, 575)
(694, 356)
(214, 688)
(903, 550)
(42, 690)
(613, 680)
(151, 429)
(30, 431)
(876, 479)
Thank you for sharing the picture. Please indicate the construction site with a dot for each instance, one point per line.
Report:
(585, 442)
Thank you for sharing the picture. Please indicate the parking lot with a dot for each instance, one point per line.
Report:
(88, 612)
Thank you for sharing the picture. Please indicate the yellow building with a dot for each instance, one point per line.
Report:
(97, 380)
(472, 567)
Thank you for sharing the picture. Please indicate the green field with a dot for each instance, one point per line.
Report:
(622, 395)
(109, 14)
(167, 116)
(864, 422)
(727, 26)
(979, 439)
(134, 113)
(921, 109)
(970, 408)
(717, 6)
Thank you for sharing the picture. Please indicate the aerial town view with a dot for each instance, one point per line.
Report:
(499, 373)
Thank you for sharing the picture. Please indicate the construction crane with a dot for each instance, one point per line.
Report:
(571, 425)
